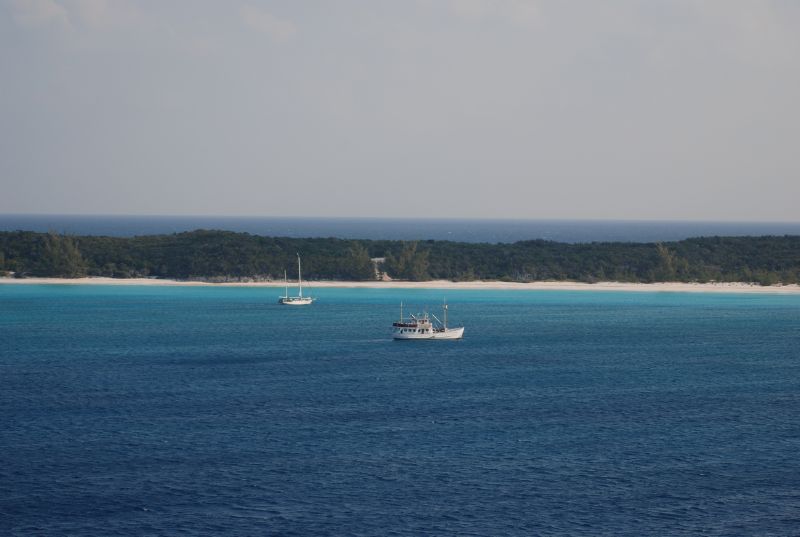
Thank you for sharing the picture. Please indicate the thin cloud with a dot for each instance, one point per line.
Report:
(754, 31)
(39, 13)
(105, 13)
(72, 14)
(264, 21)
(520, 12)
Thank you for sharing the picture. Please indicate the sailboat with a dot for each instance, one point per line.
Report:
(298, 300)
(425, 326)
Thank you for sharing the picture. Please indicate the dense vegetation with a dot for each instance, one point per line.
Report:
(221, 255)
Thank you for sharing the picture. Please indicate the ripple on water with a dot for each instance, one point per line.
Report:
(185, 412)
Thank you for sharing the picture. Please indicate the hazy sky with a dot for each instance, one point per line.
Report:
(663, 109)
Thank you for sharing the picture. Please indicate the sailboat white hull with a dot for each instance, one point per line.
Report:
(295, 300)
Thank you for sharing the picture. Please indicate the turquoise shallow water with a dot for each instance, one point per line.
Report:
(197, 411)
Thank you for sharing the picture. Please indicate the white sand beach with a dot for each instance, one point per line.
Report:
(672, 287)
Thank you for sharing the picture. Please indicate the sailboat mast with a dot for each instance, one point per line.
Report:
(286, 284)
(445, 314)
(299, 277)
(401, 311)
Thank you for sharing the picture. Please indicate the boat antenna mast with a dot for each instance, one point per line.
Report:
(299, 277)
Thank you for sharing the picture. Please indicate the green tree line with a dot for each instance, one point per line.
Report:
(222, 255)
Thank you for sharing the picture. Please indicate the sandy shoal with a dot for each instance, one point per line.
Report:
(439, 284)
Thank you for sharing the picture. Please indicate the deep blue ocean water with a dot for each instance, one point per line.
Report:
(464, 230)
(214, 411)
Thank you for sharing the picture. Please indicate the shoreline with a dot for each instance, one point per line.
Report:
(673, 287)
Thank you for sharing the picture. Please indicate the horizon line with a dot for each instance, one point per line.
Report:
(405, 218)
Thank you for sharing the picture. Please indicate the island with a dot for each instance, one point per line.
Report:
(225, 257)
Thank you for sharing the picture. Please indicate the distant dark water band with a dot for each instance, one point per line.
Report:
(462, 230)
